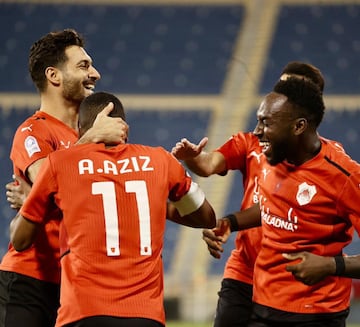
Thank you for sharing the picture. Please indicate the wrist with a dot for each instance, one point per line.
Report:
(88, 137)
(234, 226)
(339, 265)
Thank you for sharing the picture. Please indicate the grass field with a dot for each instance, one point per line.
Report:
(209, 324)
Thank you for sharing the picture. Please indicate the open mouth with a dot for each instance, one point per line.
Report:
(90, 87)
(265, 146)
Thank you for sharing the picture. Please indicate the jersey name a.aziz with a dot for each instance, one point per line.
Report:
(122, 166)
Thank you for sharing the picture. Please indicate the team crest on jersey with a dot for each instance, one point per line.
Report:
(31, 145)
(305, 193)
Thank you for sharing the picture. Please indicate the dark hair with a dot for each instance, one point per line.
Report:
(302, 69)
(305, 96)
(93, 104)
(49, 51)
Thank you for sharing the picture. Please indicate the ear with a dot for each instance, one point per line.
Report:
(53, 75)
(300, 126)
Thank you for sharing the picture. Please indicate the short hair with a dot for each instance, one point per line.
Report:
(305, 96)
(306, 70)
(49, 51)
(93, 104)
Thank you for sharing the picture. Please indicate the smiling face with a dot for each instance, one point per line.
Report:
(276, 124)
(79, 76)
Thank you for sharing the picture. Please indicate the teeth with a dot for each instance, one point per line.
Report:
(264, 145)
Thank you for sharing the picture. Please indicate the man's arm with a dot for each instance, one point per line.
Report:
(22, 232)
(240, 220)
(110, 130)
(192, 209)
(198, 161)
(314, 268)
(204, 217)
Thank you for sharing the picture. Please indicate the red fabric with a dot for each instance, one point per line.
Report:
(126, 186)
(34, 139)
(306, 208)
(242, 152)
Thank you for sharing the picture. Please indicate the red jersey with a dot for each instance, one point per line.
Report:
(312, 207)
(114, 212)
(34, 139)
(242, 152)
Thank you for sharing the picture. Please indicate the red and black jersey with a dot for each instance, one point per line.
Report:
(114, 212)
(242, 152)
(34, 139)
(312, 207)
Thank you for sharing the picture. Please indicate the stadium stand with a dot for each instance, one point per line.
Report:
(190, 69)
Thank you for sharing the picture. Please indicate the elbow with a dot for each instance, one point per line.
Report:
(20, 245)
(212, 220)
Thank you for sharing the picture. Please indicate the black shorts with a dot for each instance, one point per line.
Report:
(26, 301)
(234, 305)
(264, 316)
(108, 321)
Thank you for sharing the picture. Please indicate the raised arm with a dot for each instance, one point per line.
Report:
(197, 160)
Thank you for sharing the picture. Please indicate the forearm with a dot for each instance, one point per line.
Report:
(351, 267)
(244, 219)
(207, 163)
(90, 136)
(199, 165)
(22, 232)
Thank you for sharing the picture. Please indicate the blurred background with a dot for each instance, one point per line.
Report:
(190, 68)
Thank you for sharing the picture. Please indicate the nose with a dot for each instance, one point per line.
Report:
(258, 130)
(94, 74)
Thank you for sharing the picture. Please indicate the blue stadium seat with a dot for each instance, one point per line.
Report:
(137, 49)
(324, 35)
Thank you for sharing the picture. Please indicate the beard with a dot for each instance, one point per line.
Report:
(74, 90)
(277, 154)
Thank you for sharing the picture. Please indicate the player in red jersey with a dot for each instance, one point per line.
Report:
(241, 152)
(114, 205)
(64, 74)
(308, 208)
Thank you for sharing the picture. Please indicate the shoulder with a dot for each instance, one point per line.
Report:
(337, 157)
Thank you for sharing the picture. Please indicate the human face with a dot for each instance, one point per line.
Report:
(79, 75)
(275, 124)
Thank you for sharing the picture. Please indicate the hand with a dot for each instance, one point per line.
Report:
(17, 192)
(312, 268)
(216, 237)
(184, 149)
(110, 130)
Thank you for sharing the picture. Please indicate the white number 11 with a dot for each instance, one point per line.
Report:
(107, 190)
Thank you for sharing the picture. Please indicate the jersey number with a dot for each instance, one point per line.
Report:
(107, 190)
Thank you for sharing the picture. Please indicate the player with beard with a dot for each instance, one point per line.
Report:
(64, 75)
(241, 152)
(308, 207)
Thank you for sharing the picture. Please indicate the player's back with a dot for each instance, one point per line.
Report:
(114, 209)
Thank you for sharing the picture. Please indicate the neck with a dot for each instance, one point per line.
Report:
(308, 148)
(61, 109)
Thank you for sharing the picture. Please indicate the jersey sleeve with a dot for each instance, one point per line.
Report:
(235, 151)
(40, 202)
(349, 200)
(32, 141)
(179, 179)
